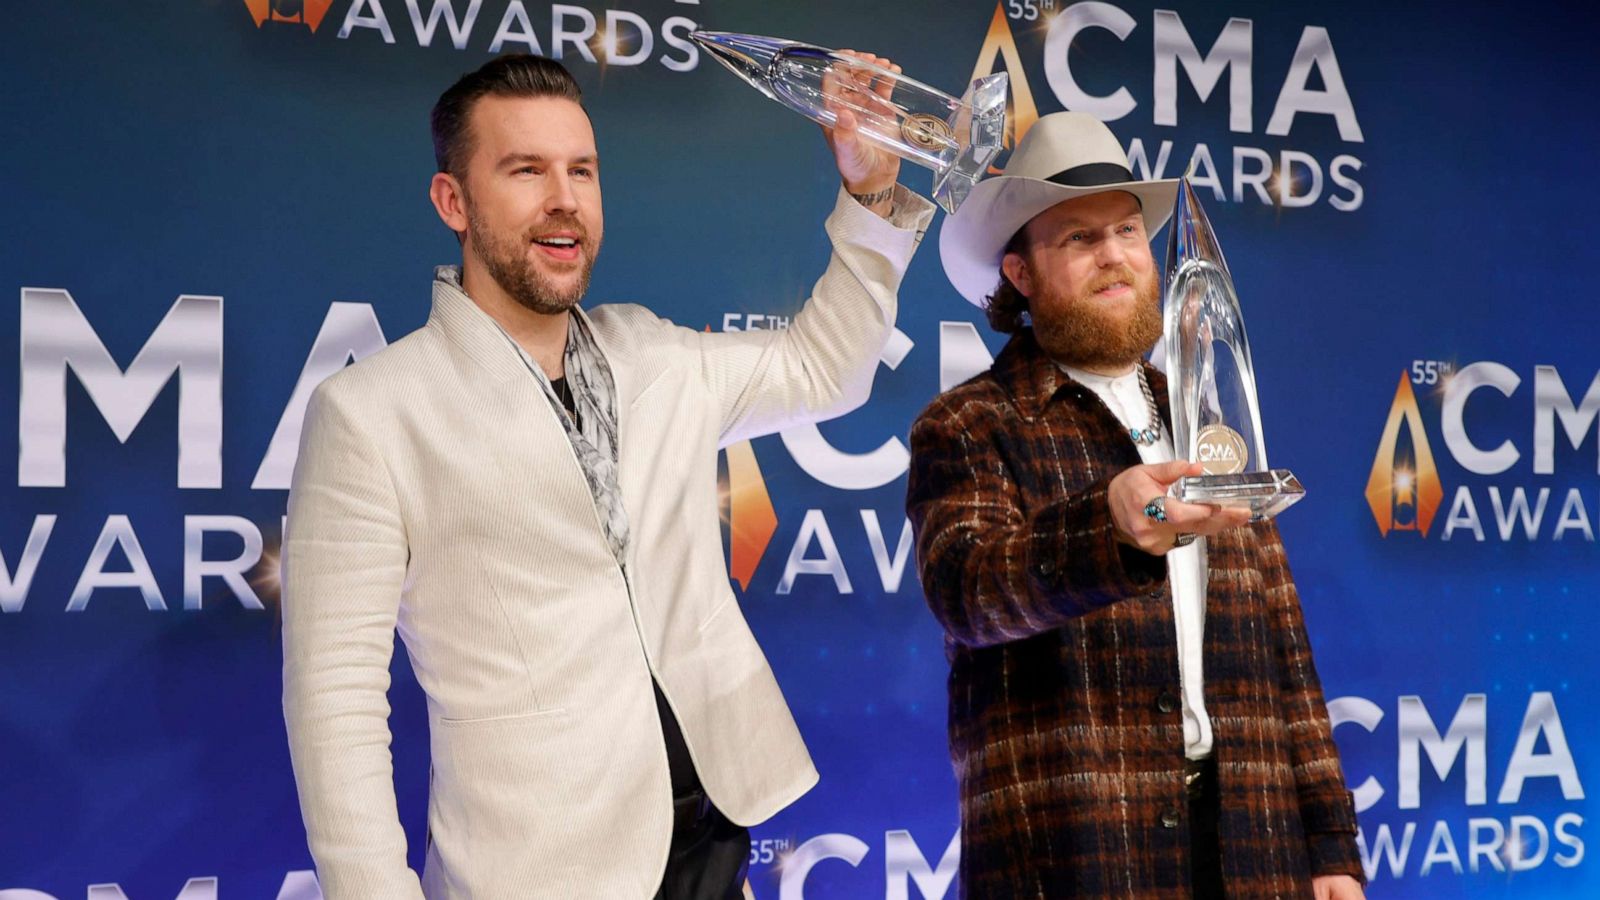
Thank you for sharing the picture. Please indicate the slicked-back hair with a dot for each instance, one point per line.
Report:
(1005, 307)
(509, 75)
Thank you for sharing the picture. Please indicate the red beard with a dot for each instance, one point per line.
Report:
(1080, 331)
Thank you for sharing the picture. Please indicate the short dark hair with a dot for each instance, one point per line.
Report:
(1007, 305)
(510, 75)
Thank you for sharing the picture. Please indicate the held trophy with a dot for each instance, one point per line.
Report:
(956, 138)
(1211, 382)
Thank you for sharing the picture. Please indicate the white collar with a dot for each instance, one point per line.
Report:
(1096, 380)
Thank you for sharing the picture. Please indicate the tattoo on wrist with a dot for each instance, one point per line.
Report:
(872, 199)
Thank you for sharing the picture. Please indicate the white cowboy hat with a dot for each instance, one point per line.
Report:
(1064, 155)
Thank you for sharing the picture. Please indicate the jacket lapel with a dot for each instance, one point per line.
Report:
(472, 334)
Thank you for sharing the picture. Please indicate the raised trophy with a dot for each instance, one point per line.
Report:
(1216, 420)
(955, 137)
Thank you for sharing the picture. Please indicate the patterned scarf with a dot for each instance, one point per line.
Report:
(594, 435)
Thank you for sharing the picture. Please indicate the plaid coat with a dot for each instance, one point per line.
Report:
(1066, 730)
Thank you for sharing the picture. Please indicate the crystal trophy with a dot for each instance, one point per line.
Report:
(955, 137)
(1216, 420)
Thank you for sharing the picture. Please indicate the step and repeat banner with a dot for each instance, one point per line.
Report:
(211, 205)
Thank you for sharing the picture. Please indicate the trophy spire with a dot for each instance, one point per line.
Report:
(749, 56)
(955, 137)
(1191, 236)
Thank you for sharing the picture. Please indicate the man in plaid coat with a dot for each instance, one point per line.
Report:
(1133, 706)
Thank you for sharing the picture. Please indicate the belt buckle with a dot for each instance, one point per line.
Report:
(689, 811)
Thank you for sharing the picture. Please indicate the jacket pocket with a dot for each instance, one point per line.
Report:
(722, 605)
(656, 381)
(507, 719)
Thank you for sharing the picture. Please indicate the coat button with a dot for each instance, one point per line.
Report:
(1167, 702)
(1169, 819)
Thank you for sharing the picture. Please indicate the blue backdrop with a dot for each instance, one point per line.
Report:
(1402, 195)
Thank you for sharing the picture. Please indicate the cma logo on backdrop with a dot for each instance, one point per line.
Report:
(304, 12)
(752, 518)
(59, 344)
(1074, 35)
(1404, 488)
(606, 37)
(1509, 822)
(301, 885)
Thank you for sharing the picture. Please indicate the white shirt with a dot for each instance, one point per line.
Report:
(1186, 566)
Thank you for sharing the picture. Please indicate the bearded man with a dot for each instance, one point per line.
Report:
(1133, 706)
(528, 492)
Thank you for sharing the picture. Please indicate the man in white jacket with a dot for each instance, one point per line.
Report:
(527, 491)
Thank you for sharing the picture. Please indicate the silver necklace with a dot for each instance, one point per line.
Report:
(1146, 437)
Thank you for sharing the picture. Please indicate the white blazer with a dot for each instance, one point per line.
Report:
(437, 493)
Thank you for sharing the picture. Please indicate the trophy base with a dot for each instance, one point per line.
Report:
(1265, 494)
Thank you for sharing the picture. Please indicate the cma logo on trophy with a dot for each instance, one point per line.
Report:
(1221, 450)
(303, 12)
